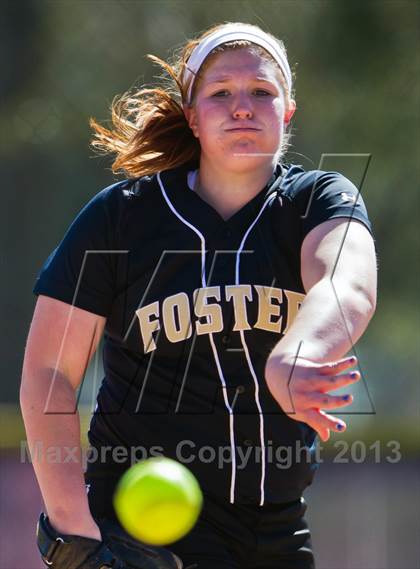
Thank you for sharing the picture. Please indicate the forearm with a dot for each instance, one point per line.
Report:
(53, 435)
(328, 323)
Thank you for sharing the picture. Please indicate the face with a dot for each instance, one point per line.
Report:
(239, 112)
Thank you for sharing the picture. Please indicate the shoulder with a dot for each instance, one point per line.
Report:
(298, 184)
(124, 191)
(320, 195)
(114, 201)
(134, 189)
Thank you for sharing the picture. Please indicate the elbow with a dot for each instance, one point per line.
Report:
(356, 301)
(363, 304)
(44, 386)
(368, 299)
(372, 306)
(360, 296)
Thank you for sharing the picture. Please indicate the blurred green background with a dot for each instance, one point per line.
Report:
(357, 93)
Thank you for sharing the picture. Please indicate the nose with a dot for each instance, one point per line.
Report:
(242, 108)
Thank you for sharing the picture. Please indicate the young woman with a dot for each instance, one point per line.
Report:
(225, 282)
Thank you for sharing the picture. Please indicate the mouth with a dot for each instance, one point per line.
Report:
(244, 129)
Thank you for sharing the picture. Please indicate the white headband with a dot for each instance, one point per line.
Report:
(231, 32)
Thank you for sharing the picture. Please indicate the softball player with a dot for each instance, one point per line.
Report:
(209, 270)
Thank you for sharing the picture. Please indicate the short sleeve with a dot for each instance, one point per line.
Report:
(80, 270)
(321, 196)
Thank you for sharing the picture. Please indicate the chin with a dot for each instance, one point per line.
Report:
(244, 161)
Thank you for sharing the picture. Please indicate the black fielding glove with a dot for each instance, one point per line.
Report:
(62, 551)
(117, 551)
(136, 554)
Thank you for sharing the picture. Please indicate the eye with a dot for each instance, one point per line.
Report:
(220, 93)
(262, 93)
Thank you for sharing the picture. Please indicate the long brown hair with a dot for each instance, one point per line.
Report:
(150, 132)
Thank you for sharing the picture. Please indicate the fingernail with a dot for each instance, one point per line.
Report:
(346, 397)
(353, 359)
(340, 426)
(354, 375)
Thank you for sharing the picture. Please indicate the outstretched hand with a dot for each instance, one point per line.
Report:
(300, 386)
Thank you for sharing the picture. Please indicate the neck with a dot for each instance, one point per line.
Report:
(228, 192)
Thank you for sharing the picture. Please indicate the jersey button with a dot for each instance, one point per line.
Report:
(226, 340)
(240, 389)
(248, 442)
(228, 233)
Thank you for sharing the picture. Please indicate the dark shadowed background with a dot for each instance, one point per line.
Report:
(357, 92)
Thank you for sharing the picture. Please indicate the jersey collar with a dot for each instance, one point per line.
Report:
(202, 214)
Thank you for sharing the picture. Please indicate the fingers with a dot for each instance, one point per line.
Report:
(323, 423)
(305, 394)
(326, 377)
(332, 368)
(325, 383)
(316, 400)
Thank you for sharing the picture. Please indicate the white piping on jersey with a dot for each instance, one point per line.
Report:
(244, 344)
(213, 346)
(188, 224)
(248, 357)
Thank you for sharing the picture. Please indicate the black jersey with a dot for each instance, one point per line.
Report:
(194, 305)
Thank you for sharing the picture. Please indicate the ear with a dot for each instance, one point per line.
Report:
(290, 112)
(191, 117)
